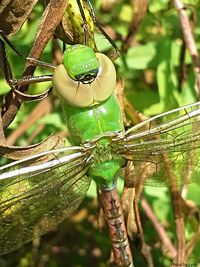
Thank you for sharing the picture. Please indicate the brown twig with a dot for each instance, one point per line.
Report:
(180, 226)
(145, 248)
(189, 40)
(192, 211)
(132, 216)
(139, 11)
(2, 136)
(191, 244)
(159, 228)
(43, 108)
(178, 214)
(50, 20)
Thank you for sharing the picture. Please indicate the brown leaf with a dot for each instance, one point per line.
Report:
(17, 152)
(14, 13)
(50, 20)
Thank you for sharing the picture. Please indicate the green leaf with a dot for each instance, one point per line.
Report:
(166, 77)
(142, 56)
(157, 5)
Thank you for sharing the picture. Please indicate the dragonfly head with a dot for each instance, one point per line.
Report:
(85, 78)
(81, 63)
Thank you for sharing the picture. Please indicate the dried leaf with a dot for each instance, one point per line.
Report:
(127, 200)
(49, 21)
(51, 18)
(128, 209)
(17, 152)
(71, 28)
(13, 13)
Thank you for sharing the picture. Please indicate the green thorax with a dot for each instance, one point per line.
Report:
(87, 123)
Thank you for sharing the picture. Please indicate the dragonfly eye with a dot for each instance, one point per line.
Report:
(81, 63)
(88, 77)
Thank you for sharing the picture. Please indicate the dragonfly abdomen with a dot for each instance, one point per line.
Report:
(114, 218)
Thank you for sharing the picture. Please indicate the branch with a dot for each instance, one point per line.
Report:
(189, 40)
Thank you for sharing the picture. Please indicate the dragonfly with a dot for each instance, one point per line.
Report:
(38, 192)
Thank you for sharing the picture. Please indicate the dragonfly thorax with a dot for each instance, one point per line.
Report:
(104, 150)
(107, 163)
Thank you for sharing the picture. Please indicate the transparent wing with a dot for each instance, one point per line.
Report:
(166, 148)
(38, 192)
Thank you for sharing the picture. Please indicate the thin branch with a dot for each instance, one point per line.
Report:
(159, 228)
(189, 40)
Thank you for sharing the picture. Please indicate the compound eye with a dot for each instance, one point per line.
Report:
(80, 60)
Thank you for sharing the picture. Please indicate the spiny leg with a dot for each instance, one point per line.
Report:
(6, 40)
(14, 83)
(31, 61)
(93, 15)
(4, 64)
(85, 26)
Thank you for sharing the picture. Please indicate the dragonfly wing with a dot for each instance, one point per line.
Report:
(35, 195)
(166, 148)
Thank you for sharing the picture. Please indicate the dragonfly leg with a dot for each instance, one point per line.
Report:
(14, 83)
(85, 26)
(4, 64)
(39, 63)
(27, 81)
(31, 61)
(116, 226)
(31, 80)
(98, 25)
(6, 40)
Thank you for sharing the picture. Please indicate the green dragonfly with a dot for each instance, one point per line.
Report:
(38, 192)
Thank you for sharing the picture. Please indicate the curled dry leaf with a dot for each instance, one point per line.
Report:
(55, 9)
(17, 153)
(71, 28)
(50, 19)
(14, 13)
